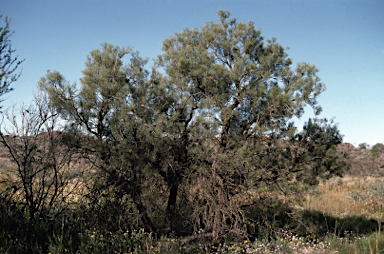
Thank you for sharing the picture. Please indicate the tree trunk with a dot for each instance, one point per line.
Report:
(224, 135)
(171, 207)
(173, 179)
(148, 225)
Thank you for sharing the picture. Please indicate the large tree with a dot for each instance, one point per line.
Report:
(215, 112)
(242, 92)
(242, 82)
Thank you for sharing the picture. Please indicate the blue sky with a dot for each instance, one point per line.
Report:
(343, 38)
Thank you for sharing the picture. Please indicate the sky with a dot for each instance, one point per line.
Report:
(343, 38)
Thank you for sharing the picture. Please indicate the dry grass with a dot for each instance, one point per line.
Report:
(334, 197)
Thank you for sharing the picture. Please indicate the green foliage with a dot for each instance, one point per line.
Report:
(363, 146)
(243, 82)
(103, 87)
(377, 150)
(373, 243)
(320, 140)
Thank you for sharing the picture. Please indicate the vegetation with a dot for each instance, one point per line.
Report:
(8, 62)
(198, 155)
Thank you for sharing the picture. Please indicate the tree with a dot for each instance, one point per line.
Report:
(320, 140)
(8, 63)
(111, 106)
(41, 172)
(377, 150)
(228, 73)
(218, 115)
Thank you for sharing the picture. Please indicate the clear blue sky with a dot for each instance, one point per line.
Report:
(343, 38)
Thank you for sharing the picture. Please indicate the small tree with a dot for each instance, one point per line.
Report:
(320, 140)
(41, 174)
(377, 150)
(363, 146)
(8, 63)
(111, 108)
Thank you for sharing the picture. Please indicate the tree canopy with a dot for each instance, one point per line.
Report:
(245, 82)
